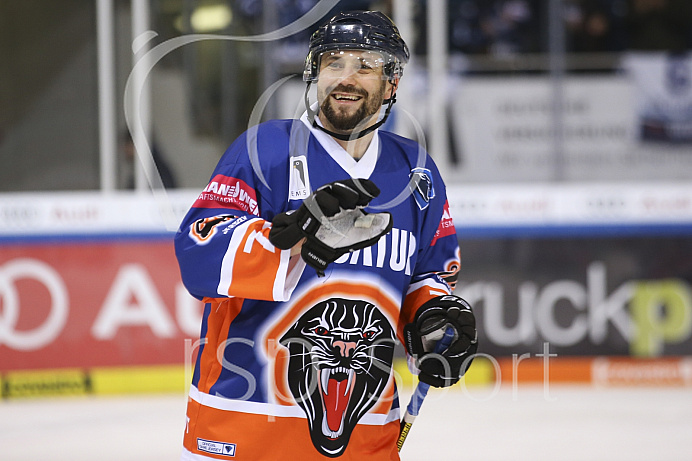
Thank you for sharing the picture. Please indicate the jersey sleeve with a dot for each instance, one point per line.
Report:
(222, 244)
(436, 272)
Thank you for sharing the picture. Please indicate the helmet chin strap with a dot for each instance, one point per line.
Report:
(353, 135)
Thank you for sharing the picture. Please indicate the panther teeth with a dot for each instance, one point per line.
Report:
(351, 373)
(328, 432)
(326, 373)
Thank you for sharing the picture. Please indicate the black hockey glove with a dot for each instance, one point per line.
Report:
(333, 223)
(428, 327)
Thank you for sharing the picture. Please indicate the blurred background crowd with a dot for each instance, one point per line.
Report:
(204, 92)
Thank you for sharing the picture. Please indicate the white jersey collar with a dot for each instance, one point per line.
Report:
(362, 168)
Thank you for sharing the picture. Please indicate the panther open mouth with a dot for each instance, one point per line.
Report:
(340, 355)
(336, 387)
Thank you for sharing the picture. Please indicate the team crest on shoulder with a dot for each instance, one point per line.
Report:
(421, 185)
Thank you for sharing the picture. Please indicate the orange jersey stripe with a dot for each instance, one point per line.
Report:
(252, 267)
(260, 437)
(221, 314)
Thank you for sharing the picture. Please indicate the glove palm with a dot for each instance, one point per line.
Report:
(333, 222)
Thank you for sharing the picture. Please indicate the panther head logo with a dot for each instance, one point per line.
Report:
(340, 360)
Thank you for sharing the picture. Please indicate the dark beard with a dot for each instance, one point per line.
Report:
(344, 122)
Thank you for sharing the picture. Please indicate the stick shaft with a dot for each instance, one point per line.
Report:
(419, 394)
(403, 432)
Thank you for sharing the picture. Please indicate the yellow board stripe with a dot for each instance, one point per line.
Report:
(155, 379)
(602, 371)
(144, 379)
(100, 380)
(159, 379)
(36, 383)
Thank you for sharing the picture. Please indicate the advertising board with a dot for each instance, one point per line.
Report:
(91, 298)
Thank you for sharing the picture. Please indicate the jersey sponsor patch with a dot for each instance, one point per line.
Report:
(299, 179)
(217, 448)
(228, 192)
(421, 185)
(446, 226)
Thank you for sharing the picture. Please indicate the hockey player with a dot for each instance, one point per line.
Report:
(315, 244)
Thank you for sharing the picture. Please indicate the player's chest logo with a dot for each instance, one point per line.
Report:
(298, 179)
(340, 357)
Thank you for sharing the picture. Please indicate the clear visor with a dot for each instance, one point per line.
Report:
(357, 63)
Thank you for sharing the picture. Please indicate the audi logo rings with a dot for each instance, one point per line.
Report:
(46, 332)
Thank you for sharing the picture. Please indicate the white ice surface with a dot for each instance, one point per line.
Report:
(566, 423)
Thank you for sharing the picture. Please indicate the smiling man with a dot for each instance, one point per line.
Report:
(351, 88)
(316, 243)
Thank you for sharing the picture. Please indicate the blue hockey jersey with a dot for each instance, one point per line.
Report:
(292, 365)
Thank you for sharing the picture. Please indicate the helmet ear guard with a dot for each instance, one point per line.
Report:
(393, 70)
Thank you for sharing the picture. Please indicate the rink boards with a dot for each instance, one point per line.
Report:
(581, 284)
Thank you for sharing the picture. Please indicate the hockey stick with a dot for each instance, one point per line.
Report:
(419, 394)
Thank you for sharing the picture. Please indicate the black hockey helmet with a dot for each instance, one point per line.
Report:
(358, 30)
